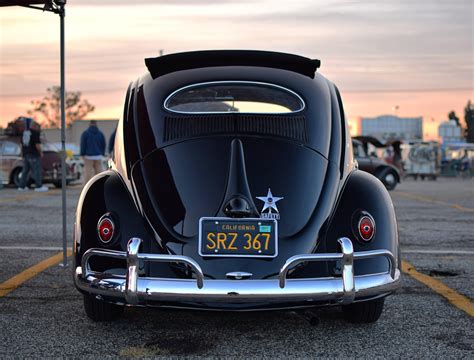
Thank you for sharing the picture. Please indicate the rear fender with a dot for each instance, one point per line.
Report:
(364, 192)
(106, 193)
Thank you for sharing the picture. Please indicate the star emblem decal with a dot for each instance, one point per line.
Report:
(270, 201)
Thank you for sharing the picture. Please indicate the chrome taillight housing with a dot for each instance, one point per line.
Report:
(106, 228)
(366, 227)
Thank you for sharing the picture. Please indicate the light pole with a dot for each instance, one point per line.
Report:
(57, 7)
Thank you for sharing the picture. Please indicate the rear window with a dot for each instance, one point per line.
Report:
(234, 97)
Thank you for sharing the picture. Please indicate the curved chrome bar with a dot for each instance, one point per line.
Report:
(99, 252)
(374, 253)
(177, 258)
(300, 258)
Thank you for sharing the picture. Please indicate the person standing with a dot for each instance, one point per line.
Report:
(32, 154)
(112, 143)
(92, 150)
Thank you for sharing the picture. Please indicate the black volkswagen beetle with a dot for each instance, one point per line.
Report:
(233, 187)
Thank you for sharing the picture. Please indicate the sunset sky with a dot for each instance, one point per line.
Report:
(414, 54)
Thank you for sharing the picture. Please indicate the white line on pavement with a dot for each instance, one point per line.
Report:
(441, 252)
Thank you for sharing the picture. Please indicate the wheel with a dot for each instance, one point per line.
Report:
(99, 310)
(364, 312)
(15, 177)
(389, 179)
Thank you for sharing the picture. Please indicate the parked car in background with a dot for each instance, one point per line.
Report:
(457, 159)
(371, 163)
(11, 163)
(233, 188)
(423, 160)
(73, 159)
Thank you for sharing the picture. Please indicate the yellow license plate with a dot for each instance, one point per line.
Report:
(238, 237)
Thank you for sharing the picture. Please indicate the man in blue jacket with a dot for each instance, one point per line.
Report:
(92, 150)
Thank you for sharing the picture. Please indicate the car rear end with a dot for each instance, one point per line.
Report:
(237, 171)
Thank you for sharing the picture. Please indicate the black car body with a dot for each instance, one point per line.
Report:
(371, 163)
(234, 188)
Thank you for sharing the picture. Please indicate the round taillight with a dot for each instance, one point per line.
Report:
(105, 229)
(366, 228)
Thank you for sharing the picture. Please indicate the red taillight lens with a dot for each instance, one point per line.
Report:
(105, 228)
(366, 228)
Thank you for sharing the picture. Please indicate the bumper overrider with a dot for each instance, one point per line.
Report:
(136, 290)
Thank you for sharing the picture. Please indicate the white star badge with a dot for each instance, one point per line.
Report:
(270, 201)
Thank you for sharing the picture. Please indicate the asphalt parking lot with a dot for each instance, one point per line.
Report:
(44, 316)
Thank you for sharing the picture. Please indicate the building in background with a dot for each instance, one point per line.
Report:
(74, 132)
(354, 126)
(449, 131)
(386, 127)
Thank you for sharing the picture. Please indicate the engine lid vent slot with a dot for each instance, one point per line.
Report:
(186, 127)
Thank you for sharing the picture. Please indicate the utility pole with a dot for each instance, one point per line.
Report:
(62, 14)
(57, 7)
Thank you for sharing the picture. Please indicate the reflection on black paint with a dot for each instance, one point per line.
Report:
(144, 130)
(162, 187)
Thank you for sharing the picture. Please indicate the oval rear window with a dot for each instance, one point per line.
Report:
(234, 97)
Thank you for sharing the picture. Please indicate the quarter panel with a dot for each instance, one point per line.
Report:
(106, 193)
(364, 192)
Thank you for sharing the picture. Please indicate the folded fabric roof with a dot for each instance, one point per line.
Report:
(200, 59)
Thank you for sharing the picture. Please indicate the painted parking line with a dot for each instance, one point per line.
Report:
(460, 301)
(39, 248)
(22, 197)
(16, 198)
(17, 280)
(433, 201)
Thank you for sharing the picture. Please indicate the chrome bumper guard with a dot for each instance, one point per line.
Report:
(138, 290)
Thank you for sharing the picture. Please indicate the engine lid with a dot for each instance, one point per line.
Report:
(229, 177)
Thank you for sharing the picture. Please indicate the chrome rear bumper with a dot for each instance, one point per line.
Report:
(136, 290)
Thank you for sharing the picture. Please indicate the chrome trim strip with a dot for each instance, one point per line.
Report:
(232, 82)
(138, 290)
(238, 275)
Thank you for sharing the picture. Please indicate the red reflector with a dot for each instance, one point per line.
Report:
(105, 228)
(366, 228)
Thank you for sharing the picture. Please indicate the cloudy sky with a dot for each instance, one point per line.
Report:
(414, 54)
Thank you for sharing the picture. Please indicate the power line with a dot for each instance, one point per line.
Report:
(90, 91)
(422, 90)
(348, 91)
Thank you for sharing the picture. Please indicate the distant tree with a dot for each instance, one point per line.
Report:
(47, 111)
(452, 116)
(469, 120)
